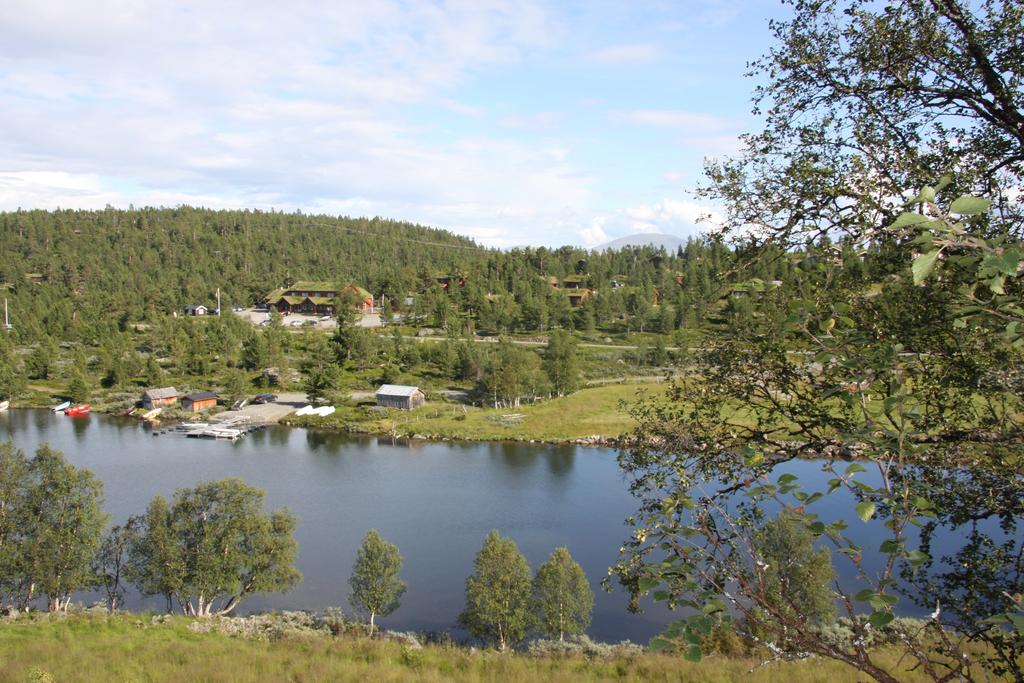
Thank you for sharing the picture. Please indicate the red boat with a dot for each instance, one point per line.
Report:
(80, 409)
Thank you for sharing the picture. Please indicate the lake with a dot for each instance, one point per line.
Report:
(435, 500)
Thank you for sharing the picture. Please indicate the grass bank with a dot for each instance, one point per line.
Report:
(588, 413)
(140, 648)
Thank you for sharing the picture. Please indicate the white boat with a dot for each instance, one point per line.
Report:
(324, 411)
(4, 405)
(304, 410)
(152, 413)
(62, 407)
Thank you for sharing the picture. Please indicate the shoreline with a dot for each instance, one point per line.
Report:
(592, 441)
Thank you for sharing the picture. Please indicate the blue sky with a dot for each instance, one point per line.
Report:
(511, 122)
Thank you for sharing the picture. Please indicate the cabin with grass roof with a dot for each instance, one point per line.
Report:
(319, 298)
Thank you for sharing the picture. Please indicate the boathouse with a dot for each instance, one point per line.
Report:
(199, 400)
(159, 398)
(400, 396)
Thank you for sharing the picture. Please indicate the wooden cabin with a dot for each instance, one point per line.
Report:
(318, 298)
(199, 400)
(159, 398)
(197, 310)
(400, 396)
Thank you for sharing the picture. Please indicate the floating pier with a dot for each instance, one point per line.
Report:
(230, 430)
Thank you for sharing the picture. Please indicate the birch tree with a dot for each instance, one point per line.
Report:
(376, 586)
(215, 547)
(498, 594)
(562, 596)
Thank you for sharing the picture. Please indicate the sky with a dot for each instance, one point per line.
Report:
(514, 123)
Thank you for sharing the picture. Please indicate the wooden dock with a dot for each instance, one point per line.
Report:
(231, 429)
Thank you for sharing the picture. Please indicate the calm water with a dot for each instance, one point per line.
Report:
(436, 501)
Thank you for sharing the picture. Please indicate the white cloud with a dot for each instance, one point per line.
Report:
(680, 218)
(594, 234)
(634, 53)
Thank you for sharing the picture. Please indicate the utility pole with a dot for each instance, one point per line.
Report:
(7, 322)
(218, 301)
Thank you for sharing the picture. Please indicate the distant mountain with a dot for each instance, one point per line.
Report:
(655, 239)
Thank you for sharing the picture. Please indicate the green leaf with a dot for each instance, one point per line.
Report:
(880, 619)
(661, 645)
(922, 266)
(865, 510)
(970, 206)
(909, 218)
(916, 557)
(693, 653)
(864, 595)
(889, 546)
(855, 467)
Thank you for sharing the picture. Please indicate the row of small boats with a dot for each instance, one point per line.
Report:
(68, 409)
(322, 411)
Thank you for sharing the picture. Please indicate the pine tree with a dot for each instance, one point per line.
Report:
(376, 587)
(78, 388)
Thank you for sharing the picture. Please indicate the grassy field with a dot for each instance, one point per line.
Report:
(130, 648)
(589, 412)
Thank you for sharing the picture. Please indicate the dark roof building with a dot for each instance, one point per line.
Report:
(198, 400)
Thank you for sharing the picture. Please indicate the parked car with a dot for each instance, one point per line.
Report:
(265, 398)
(264, 323)
(296, 323)
(324, 318)
(238, 309)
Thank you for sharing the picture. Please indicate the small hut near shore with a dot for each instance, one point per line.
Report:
(159, 398)
(400, 396)
(200, 400)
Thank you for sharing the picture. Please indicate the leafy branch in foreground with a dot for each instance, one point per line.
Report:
(915, 422)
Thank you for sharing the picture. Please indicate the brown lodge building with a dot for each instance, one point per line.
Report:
(318, 298)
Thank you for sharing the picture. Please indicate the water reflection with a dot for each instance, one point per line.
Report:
(560, 460)
(80, 424)
(435, 500)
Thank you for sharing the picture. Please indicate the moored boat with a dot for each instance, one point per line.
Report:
(62, 407)
(4, 405)
(151, 414)
(80, 409)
